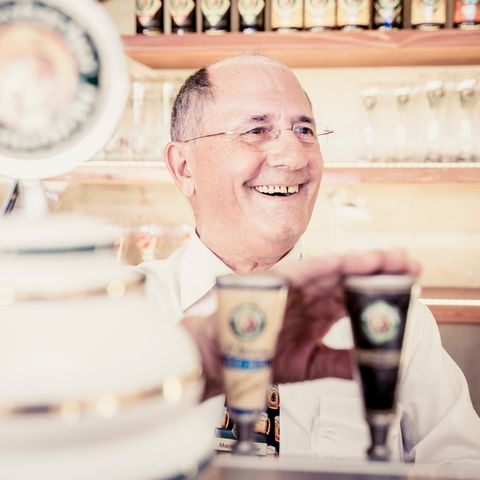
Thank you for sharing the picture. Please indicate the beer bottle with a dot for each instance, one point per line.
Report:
(149, 16)
(287, 15)
(429, 14)
(215, 16)
(353, 14)
(320, 15)
(252, 15)
(387, 14)
(467, 14)
(182, 13)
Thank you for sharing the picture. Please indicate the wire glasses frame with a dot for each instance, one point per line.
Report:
(261, 136)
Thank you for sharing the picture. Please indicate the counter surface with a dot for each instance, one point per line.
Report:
(241, 468)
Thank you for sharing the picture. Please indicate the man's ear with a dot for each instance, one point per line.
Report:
(177, 165)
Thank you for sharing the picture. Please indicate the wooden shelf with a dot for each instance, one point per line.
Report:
(453, 305)
(154, 173)
(402, 173)
(370, 48)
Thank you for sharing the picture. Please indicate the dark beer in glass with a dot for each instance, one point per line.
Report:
(378, 309)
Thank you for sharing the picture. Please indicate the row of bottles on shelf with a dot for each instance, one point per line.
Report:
(218, 16)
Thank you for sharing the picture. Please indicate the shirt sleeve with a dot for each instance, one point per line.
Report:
(438, 421)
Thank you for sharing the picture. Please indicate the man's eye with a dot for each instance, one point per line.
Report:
(256, 131)
(304, 131)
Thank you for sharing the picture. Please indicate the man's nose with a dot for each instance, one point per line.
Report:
(286, 151)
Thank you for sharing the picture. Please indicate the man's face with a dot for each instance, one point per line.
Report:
(232, 180)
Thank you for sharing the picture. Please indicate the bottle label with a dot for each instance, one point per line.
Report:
(214, 10)
(429, 11)
(146, 10)
(180, 10)
(387, 12)
(320, 13)
(249, 9)
(467, 11)
(287, 14)
(353, 12)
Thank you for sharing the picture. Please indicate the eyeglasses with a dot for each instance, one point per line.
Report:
(261, 137)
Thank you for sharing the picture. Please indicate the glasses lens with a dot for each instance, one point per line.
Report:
(305, 134)
(256, 136)
(261, 138)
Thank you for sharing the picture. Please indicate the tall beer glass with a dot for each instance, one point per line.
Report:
(378, 307)
(251, 310)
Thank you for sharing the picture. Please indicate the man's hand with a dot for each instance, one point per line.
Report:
(315, 302)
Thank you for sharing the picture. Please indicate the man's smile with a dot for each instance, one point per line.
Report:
(277, 190)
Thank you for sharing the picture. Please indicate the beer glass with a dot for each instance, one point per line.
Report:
(378, 307)
(251, 310)
(465, 148)
(436, 94)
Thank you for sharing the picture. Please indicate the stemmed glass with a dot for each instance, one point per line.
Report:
(466, 90)
(378, 308)
(435, 92)
(402, 99)
(250, 309)
(369, 98)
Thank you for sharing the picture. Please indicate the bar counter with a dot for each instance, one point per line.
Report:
(251, 468)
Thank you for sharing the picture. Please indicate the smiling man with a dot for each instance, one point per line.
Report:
(245, 153)
(251, 166)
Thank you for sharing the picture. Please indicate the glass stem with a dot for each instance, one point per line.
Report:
(246, 437)
(378, 451)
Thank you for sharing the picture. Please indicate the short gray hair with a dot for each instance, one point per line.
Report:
(189, 105)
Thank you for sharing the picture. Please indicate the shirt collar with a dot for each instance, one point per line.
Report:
(199, 267)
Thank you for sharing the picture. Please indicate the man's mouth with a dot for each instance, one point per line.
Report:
(277, 190)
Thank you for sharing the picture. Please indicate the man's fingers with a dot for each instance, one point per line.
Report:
(322, 273)
(414, 267)
(394, 261)
(362, 262)
(313, 269)
(398, 261)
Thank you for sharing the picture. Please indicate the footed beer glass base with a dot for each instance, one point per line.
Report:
(246, 438)
(379, 424)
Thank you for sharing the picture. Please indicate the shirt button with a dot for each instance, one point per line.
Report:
(328, 433)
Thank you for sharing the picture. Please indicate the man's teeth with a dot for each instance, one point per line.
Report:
(277, 189)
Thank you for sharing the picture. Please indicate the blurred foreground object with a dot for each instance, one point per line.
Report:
(63, 85)
(88, 372)
(151, 242)
(93, 384)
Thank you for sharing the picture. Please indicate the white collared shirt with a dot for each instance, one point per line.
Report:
(435, 421)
